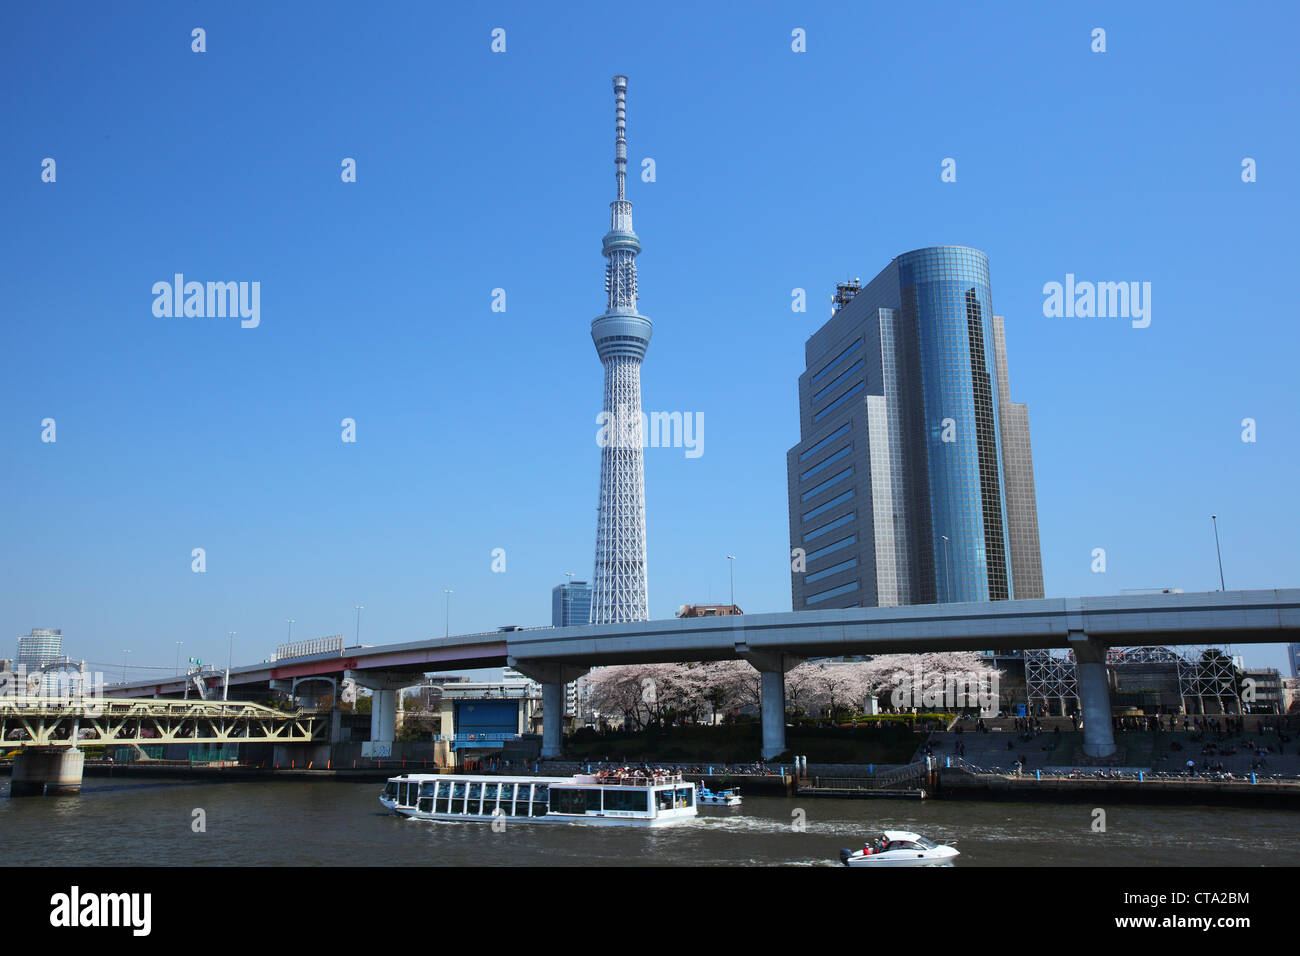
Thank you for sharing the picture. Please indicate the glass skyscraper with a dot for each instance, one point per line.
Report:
(571, 604)
(42, 646)
(913, 481)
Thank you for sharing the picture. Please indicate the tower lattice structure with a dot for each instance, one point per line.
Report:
(622, 336)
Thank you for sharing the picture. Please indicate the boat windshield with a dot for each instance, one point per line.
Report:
(928, 844)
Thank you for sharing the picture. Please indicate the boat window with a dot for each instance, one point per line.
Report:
(507, 792)
(390, 790)
(928, 844)
(490, 792)
(663, 799)
(574, 801)
(458, 790)
(541, 792)
(427, 787)
(904, 845)
(474, 789)
(426, 804)
(627, 800)
(685, 797)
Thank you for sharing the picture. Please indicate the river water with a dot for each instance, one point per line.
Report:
(323, 823)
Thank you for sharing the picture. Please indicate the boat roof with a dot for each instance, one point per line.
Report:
(479, 778)
(578, 780)
(900, 835)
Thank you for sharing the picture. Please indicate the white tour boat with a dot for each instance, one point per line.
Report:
(899, 848)
(723, 798)
(618, 798)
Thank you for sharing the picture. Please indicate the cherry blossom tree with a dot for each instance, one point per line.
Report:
(645, 694)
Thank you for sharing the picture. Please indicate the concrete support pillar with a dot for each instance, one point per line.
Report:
(1094, 694)
(47, 771)
(772, 669)
(773, 708)
(553, 677)
(552, 720)
(385, 685)
(383, 715)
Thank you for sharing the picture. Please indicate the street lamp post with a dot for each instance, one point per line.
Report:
(291, 622)
(358, 608)
(447, 601)
(179, 645)
(230, 654)
(1215, 521)
(947, 573)
(732, 558)
(124, 653)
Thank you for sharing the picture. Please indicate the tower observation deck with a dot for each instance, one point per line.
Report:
(621, 336)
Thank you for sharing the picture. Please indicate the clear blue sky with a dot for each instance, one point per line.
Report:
(476, 170)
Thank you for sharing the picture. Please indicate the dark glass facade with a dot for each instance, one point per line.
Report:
(948, 302)
(902, 483)
(571, 604)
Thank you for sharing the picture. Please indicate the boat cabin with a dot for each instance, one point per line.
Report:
(591, 797)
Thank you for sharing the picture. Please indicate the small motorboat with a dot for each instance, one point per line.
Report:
(722, 798)
(899, 848)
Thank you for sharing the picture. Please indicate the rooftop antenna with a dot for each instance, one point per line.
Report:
(620, 127)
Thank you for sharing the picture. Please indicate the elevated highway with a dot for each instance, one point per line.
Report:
(773, 643)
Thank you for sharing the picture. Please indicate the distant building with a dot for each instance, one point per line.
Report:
(42, 646)
(1293, 655)
(913, 479)
(9, 680)
(489, 720)
(708, 610)
(571, 604)
(1290, 695)
(1267, 687)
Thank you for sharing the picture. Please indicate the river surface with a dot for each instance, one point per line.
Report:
(324, 823)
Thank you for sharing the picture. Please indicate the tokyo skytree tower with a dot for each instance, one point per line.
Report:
(622, 337)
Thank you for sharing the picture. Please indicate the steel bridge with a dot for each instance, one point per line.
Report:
(97, 721)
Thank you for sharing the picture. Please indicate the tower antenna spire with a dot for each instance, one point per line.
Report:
(620, 126)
